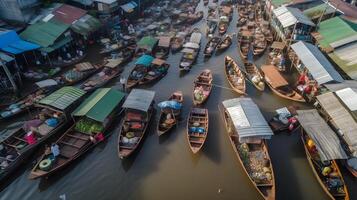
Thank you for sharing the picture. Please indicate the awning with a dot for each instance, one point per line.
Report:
(273, 76)
(278, 45)
(247, 119)
(68, 14)
(191, 45)
(63, 97)
(326, 141)
(186, 50)
(86, 25)
(349, 97)
(196, 38)
(112, 63)
(144, 60)
(333, 87)
(139, 99)
(129, 7)
(317, 64)
(288, 16)
(164, 41)
(100, 104)
(56, 45)
(147, 43)
(10, 42)
(158, 61)
(341, 118)
(46, 83)
(5, 58)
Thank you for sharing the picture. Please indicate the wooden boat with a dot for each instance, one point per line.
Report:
(235, 76)
(280, 122)
(222, 27)
(205, 2)
(245, 40)
(167, 123)
(255, 76)
(190, 51)
(224, 44)
(163, 48)
(197, 128)
(137, 74)
(157, 70)
(80, 72)
(259, 42)
(211, 46)
(254, 151)
(191, 19)
(211, 26)
(202, 87)
(318, 153)
(88, 131)
(17, 146)
(138, 113)
(279, 85)
(177, 43)
(350, 169)
(265, 27)
(276, 54)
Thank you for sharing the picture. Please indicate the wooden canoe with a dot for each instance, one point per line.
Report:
(197, 128)
(202, 86)
(164, 127)
(320, 178)
(279, 85)
(160, 71)
(255, 76)
(211, 46)
(222, 28)
(224, 44)
(98, 80)
(132, 80)
(177, 43)
(80, 72)
(125, 150)
(234, 75)
(267, 189)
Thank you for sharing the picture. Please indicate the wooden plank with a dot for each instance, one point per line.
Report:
(72, 145)
(77, 137)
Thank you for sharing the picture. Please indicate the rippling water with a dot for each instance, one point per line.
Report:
(164, 168)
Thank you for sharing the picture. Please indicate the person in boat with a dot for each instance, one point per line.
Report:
(55, 151)
(302, 82)
(97, 137)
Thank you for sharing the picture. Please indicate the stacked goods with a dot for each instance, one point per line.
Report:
(88, 126)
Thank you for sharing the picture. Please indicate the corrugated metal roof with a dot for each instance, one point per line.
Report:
(63, 97)
(288, 16)
(326, 141)
(247, 119)
(86, 25)
(68, 14)
(333, 87)
(139, 99)
(349, 97)
(346, 58)
(340, 117)
(317, 64)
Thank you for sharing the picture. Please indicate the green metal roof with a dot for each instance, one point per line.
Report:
(85, 25)
(57, 45)
(349, 69)
(44, 33)
(147, 42)
(334, 30)
(63, 97)
(100, 104)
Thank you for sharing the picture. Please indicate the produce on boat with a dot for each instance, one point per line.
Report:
(190, 51)
(224, 44)
(156, 71)
(245, 43)
(248, 132)
(254, 76)
(276, 55)
(197, 128)
(235, 76)
(322, 148)
(202, 87)
(80, 72)
(211, 46)
(170, 112)
(284, 120)
(92, 120)
(139, 108)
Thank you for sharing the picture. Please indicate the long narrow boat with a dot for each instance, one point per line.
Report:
(223, 25)
(197, 128)
(202, 87)
(245, 42)
(93, 118)
(255, 76)
(163, 48)
(224, 44)
(157, 70)
(140, 70)
(322, 148)
(247, 131)
(259, 42)
(211, 46)
(19, 145)
(80, 72)
(170, 111)
(139, 109)
(279, 85)
(235, 77)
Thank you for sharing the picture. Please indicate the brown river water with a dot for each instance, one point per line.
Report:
(165, 168)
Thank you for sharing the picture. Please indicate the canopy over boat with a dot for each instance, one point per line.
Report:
(62, 98)
(349, 97)
(247, 120)
(164, 41)
(147, 43)
(191, 45)
(341, 118)
(187, 50)
(158, 62)
(112, 63)
(139, 99)
(273, 76)
(100, 104)
(46, 83)
(196, 38)
(325, 139)
(145, 60)
(170, 104)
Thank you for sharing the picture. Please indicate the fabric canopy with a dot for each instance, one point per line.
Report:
(164, 41)
(112, 63)
(273, 76)
(326, 141)
(247, 119)
(341, 118)
(317, 64)
(63, 97)
(147, 43)
(191, 45)
(145, 60)
(129, 7)
(10, 42)
(196, 38)
(139, 99)
(100, 104)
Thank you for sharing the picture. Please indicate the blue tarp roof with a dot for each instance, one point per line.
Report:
(129, 7)
(10, 42)
(145, 60)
